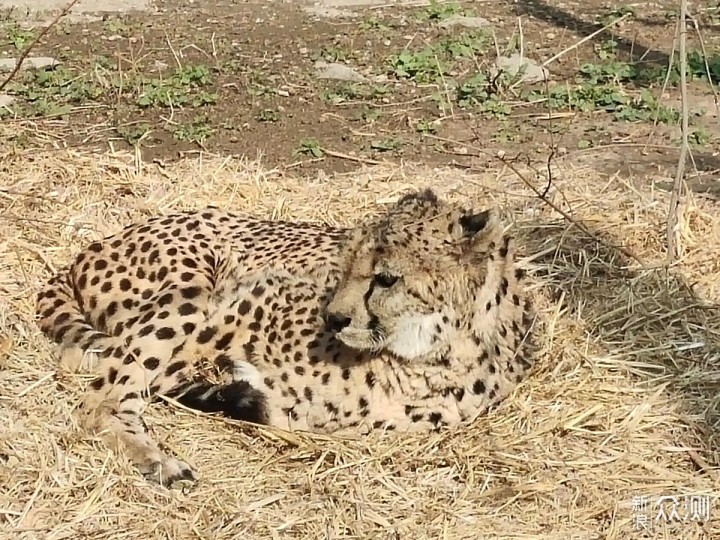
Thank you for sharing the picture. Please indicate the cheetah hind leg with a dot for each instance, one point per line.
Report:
(121, 427)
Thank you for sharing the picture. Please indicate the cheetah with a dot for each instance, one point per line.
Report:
(413, 321)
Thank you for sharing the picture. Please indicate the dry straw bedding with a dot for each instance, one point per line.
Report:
(624, 401)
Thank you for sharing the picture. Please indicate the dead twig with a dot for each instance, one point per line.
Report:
(674, 222)
(585, 39)
(356, 159)
(35, 41)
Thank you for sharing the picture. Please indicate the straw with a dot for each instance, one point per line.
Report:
(623, 403)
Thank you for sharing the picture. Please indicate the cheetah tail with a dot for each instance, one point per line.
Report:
(60, 318)
(237, 400)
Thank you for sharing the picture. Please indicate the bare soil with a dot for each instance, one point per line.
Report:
(260, 94)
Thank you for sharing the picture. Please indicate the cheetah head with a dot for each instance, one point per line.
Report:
(412, 277)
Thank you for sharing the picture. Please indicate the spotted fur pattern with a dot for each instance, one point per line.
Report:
(414, 321)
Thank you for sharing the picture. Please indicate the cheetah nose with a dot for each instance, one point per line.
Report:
(335, 322)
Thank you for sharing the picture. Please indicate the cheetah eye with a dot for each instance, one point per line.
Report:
(385, 280)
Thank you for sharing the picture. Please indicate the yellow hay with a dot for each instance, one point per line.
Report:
(624, 402)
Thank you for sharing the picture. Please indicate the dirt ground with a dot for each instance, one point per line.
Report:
(155, 112)
(238, 78)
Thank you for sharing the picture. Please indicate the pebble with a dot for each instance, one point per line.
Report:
(37, 62)
(514, 63)
(466, 22)
(336, 71)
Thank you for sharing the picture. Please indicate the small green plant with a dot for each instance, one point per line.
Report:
(184, 87)
(607, 49)
(46, 108)
(699, 137)
(349, 92)
(466, 45)
(18, 37)
(268, 115)
(436, 60)
(375, 23)
(439, 12)
(613, 99)
(310, 147)
(134, 134)
(616, 13)
(117, 27)
(474, 91)
(198, 130)
(423, 66)
(342, 93)
(49, 89)
(426, 127)
(369, 115)
(700, 66)
(483, 94)
(332, 54)
(610, 72)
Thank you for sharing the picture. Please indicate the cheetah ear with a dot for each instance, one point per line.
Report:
(474, 224)
(477, 232)
(477, 227)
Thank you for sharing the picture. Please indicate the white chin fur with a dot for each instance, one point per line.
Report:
(413, 336)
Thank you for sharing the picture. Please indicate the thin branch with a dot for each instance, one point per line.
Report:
(585, 39)
(708, 71)
(35, 41)
(675, 214)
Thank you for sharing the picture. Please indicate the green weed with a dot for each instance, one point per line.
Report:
(310, 147)
(18, 37)
(198, 130)
(184, 87)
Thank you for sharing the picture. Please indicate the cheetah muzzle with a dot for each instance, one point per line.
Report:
(412, 321)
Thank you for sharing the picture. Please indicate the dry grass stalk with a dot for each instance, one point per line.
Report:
(624, 402)
(675, 215)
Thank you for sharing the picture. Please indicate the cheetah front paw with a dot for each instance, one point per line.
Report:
(168, 472)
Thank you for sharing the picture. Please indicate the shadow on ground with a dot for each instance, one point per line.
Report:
(647, 323)
(565, 19)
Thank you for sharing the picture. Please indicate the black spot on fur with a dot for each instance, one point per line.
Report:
(244, 307)
(206, 334)
(224, 341)
(165, 333)
(151, 363)
(478, 387)
(174, 368)
(190, 292)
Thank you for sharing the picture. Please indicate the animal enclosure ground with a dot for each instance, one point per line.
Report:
(625, 400)
(240, 78)
(623, 403)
